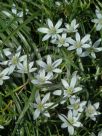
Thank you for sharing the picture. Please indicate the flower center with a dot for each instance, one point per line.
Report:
(90, 110)
(71, 121)
(69, 91)
(61, 41)
(78, 44)
(40, 106)
(71, 29)
(49, 68)
(15, 60)
(42, 80)
(76, 106)
(52, 30)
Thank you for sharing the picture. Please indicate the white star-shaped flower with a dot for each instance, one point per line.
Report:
(41, 105)
(79, 43)
(61, 40)
(70, 121)
(41, 78)
(98, 20)
(52, 31)
(92, 50)
(14, 59)
(4, 75)
(50, 67)
(76, 105)
(26, 67)
(91, 110)
(71, 28)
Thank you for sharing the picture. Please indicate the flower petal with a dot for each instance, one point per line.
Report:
(46, 37)
(65, 84)
(36, 114)
(43, 30)
(85, 38)
(71, 130)
(49, 22)
(46, 97)
(58, 24)
(77, 37)
(57, 63)
(49, 60)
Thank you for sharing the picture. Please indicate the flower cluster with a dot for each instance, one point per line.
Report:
(45, 72)
(70, 89)
(61, 37)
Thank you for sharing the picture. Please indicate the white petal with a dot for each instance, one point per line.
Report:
(35, 82)
(14, 10)
(98, 49)
(71, 41)
(46, 105)
(66, 44)
(77, 37)
(5, 71)
(57, 70)
(57, 92)
(100, 133)
(96, 105)
(36, 114)
(86, 45)
(1, 127)
(42, 73)
(93, 55)
(77, 89)
(41, 63)
(37, 97)
(58, 24)
(97, 43)
(77, 124)
(49, 22)
(46, 37)
(62, 118)
(43, 30)
(57, 63)
(73, 81)
(23, 58)
(49, 60)
(7, 51)
(32, 70)
(64, 35)
(65, 84)
(71, 129)
(20, 14)
(46, 114)
(79, 51)
(69, 114)
(84, 54)
(71, 48)
(85, 38)
(59, 30)
(46, 97)
(73, 23)
(11, 69)
(48, 82)
(5, 77)
(64, 125)
(98, 27)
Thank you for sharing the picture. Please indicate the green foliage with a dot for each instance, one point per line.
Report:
(17, 95)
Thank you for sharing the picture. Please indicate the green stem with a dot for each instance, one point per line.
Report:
(80, 64)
